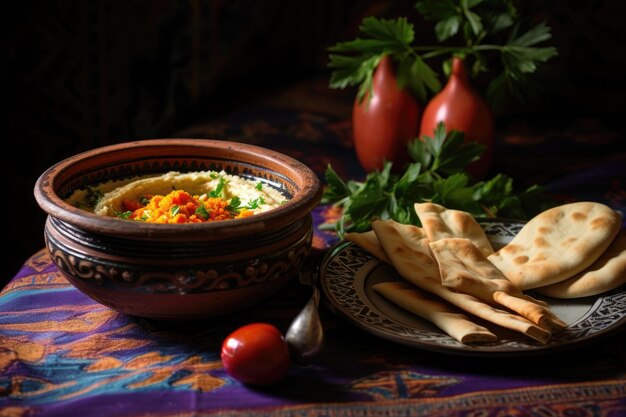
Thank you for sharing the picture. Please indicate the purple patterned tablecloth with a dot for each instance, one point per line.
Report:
(63, 354)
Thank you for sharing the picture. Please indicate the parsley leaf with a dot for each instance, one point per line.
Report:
(234, 206)
(202, 212)
(353, 70)
(445, 152)
(520, 56)
(219, 189)
(337, 188)
(354, 61)
(124, 215)
(445, 12)
(454, 192)
(416, 75)
(256, 203)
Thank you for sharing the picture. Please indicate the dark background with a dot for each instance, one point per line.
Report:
(82, 74)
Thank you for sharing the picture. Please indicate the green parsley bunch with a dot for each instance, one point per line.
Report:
(436, 175)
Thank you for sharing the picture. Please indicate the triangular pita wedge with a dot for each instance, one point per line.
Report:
(369, 242)
(407, 248)
(607, 273)
(441, 314)
(440, 222)
(557, 244)
(464, 268)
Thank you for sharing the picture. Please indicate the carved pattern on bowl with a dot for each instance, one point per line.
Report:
(192, 279)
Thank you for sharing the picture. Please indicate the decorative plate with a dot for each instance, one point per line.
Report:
(348, 273)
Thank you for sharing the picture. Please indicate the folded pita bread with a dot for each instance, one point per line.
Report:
(407, 248)
(369, 242)
(557, 244)
(440, 223)
(464, 268)
(440, 313)
(605, 274)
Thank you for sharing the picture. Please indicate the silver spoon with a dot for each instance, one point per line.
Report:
(305, 335)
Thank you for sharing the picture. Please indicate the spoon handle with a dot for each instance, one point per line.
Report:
(305, 335)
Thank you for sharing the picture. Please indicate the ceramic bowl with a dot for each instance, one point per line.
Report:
(183, 271)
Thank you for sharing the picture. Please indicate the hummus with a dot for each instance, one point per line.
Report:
(115, 197)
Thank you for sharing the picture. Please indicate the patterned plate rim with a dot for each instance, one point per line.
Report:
(343, 277)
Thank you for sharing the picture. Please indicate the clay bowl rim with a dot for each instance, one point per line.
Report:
(308, 194)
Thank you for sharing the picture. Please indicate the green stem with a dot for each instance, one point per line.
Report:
(444, 51)
(432, 47)
(488, 47)
(434, 51)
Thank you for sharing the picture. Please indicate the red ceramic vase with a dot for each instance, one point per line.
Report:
(460, 107)
(382, 126)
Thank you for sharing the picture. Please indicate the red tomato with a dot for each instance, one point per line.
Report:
(256, 354)
(130, 205)
(460, 107)
(382, 127)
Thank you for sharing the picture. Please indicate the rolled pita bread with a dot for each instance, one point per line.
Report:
(464, 268)
(557, 244)
(440, 222)
(605, 274)
(407, 248)
(440, 313)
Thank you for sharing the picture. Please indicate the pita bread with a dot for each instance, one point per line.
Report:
(369, 242)
(407, 248)
(557, 244)
(440, 313)
(606, 273)
(464, 268)
(441, 223)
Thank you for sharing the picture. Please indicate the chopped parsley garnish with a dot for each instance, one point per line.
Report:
(259, 186)
(202, 212)
(218, 190)
(144, 200)
(234, 206)
(125, 215)
(256, 203)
